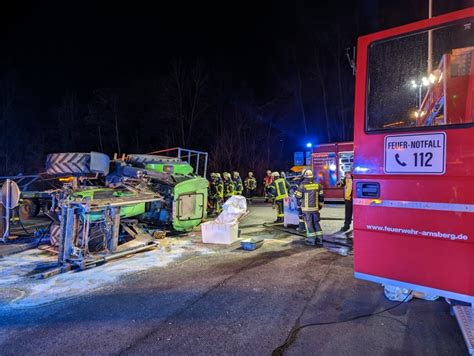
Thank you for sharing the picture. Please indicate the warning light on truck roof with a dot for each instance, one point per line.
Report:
(309, 145)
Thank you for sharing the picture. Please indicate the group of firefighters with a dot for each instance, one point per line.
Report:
(307, 191)
(222, 187)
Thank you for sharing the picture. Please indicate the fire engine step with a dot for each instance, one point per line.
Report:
(465, 316)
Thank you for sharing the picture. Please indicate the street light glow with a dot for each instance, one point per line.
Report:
(425, 81)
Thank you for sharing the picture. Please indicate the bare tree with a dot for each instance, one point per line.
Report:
(104, 112)
(68, 116)
(186, 97)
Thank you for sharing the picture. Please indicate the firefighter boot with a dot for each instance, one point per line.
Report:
(301, 227)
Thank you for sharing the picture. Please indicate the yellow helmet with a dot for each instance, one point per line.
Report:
(250, 174)
(275, 174)
(226, 175)
(308, 174)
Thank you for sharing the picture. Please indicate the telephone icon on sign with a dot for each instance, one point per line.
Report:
(401, 163)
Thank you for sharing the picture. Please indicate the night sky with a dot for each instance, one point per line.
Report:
(58, 47)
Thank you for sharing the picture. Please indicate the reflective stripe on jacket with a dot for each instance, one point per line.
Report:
(281, 188)
(250, 183)
(228, 188)
(311, 195)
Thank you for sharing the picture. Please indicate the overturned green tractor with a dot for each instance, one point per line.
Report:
(104, 204)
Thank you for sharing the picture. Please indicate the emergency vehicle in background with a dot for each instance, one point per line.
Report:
(414, 161)
(329, 162)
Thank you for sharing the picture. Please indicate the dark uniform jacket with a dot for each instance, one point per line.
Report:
(311, 196)
(238, 186)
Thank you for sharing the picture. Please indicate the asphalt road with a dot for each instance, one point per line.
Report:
(236, 302)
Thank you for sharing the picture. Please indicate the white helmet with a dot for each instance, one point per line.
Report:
(275, 174)
(308, 174)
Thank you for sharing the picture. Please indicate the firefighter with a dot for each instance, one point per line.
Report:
(250, 187)
(216, 193)
(229, 187)
(238, 185)
(267, 184)
(280, 187)
(312, 200)
(346, 183)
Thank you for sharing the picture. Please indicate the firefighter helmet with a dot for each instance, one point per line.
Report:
(236, 174)
(218, 175)
(308, 174)
(269, 172)
(275, 174)
(250, 174)
(226, 175)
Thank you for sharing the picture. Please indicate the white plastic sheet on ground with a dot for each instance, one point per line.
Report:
(233, 209)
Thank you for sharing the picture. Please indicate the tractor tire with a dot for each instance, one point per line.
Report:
(29, 208)
(142, 160)
(70, 164)
(46, 206)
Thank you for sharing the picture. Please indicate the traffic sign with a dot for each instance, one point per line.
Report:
(415, 154)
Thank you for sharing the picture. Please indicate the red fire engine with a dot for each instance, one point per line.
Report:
(414, 175)
(329, 163)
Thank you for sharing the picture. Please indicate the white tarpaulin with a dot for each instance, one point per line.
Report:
(233, 209)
